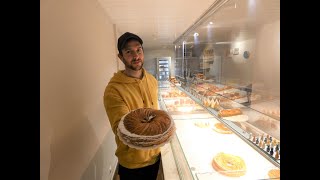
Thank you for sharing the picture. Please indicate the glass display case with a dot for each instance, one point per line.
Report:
(228, 64)
(202, 136)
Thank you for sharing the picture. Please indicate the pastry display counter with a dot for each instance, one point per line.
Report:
(203, 136)
(200, 144)
(250, 123)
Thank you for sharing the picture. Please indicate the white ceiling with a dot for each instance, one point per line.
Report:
(158, 22)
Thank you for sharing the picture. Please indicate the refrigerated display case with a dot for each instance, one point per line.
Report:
(228, 63)
(163, 68)
(199, 141)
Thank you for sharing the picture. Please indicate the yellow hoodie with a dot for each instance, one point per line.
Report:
(122, 95)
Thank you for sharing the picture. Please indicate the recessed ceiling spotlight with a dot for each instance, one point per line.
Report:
(210, 22)
(196, 34)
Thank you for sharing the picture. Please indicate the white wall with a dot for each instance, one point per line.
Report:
(262, 68)
(77, 60)
(267, 63)
(237, 68)
(120, 64)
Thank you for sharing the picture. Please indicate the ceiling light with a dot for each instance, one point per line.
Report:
(196, 34)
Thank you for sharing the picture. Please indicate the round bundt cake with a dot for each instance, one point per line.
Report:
(146, 128)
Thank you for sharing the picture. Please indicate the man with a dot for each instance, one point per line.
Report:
(128, 90)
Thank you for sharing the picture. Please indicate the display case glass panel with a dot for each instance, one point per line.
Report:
(228, 62)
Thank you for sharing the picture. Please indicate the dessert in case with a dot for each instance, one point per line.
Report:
(274, 174)
(221, 128)
(229, 112)
(229, 165)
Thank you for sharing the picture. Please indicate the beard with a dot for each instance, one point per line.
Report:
(133, 66)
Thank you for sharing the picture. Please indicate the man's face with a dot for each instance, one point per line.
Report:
(132, 55)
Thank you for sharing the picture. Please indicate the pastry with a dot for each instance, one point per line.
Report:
(229, 165)
(274, 174)
(209, 93)
(221, 128)
(200, 75)
(229, 112)
(215, 103)
(146, 128)
(202, 124)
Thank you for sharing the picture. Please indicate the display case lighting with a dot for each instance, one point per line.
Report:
(223, 42)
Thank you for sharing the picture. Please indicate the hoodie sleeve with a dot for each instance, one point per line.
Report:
(115, 107)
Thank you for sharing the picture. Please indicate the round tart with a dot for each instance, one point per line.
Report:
(221, 128)
(274, 174)
(229, 165)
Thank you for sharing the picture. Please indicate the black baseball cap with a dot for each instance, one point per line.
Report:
(124, 38)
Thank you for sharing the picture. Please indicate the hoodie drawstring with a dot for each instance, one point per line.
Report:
(141, 93)
(149, 94)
